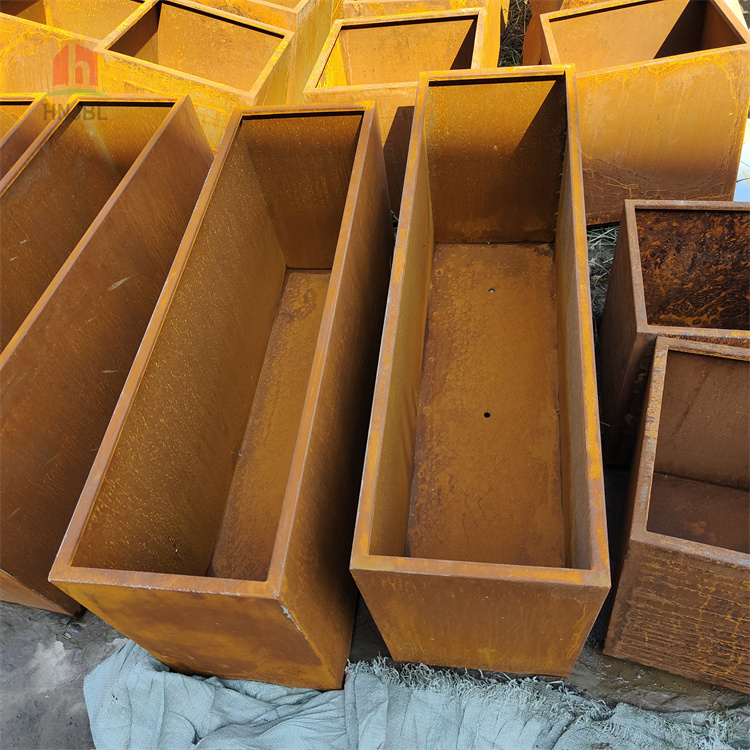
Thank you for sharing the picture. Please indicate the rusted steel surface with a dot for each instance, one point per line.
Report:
(683, 599)
(159, 48)
(681, 270)
(379, 59)
(95, 19)
(21, 122)
(690, 61)
(215, 528)
(481, 517)
(310, 20)
(63, 370)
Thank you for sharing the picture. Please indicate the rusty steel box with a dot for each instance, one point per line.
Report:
(380, 59)
(663, 95)
(481, 535)
(680, 269)
(94, 219)
(22, 119)
(216, 524)
(683, 598)
(160, 47)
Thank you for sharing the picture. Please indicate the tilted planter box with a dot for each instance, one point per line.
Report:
(63, 370)
(379, 59)
(310, 20)
(681, 270)
(94, 19)
(53, 194)
(22, 119)
(481, 536)
(216, 525)
(683, 599)
(663, 95)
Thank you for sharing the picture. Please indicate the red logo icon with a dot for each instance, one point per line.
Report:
(75, 65)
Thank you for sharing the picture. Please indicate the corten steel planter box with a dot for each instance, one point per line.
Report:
(95, 19)
(663, 95)
(232, 464)
(22, 119)
(52, 195)
(62, 373)
(683, 599)
(310, 20)
(160, 48)
(380, 59)
(481, 538)
(681, 270)
(532, 39)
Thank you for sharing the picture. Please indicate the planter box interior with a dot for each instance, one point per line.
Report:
(246, 414)
(178, 36)
(478, 451)
(665, 52)
(50, 198)
(91, 18)
(680, 269)
(21, 122)
(11, 111)
(689, 541)
(63, 371)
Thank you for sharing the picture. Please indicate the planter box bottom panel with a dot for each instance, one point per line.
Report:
(245, 542)
(700, 512)
(490, 377)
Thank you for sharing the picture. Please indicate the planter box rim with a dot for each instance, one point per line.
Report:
(284, 40)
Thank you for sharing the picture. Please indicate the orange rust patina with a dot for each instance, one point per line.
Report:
(21, 122)
(159, 48)
(92, 216)
(683, 598)
(215, 526)
(381, 58)
(663, 95)
(481, 535)
(681, 270)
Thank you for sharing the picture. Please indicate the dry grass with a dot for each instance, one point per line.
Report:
(511, 44)
(601, 242)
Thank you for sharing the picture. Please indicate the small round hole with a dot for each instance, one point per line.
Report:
(492, 291)
(486, 415)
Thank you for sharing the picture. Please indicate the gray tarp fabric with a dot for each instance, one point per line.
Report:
(136, 703)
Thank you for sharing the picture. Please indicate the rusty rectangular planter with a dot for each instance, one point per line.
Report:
(481, 536)
(681, 270)
(310, 20)
(94, 19)
(663, 95)
(232, 464)
(380, 59)
(22, 119)
(160, 48)
(683, 599)
(63, 370)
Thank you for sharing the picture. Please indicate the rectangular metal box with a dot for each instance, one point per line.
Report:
(481, 534)
(215, 528)
(683, 598)
(663, 95)
(80, 280)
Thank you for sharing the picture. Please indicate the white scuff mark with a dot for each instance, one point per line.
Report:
(15, 257)
(117, 283)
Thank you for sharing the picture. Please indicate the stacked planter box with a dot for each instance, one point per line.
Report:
(22, 119)
(481, 518)
(683, 599)
(216, 524)
(92, 219)
(380, 59)
(681, 270)
(664, 89)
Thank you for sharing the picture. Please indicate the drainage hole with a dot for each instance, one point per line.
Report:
(486, 415)
(492, 290)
